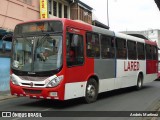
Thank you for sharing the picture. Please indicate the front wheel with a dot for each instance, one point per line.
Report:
(91, 91)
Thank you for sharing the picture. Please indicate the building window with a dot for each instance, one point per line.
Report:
(65, 11)
(54, 8)
(60, 10)
(49, 6)
(6, 46)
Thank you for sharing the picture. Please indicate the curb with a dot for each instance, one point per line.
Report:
(6, 95)
(155, 106)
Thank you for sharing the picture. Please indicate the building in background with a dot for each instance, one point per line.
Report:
(59, 8)
(12, 12)
(72, 9)
(81, 11)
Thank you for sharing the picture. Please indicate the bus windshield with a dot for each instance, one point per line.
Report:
(37, 47)
(37, 53)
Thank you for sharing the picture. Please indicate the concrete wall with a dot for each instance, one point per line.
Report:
(5, 66)
(4, 73)
(16, 11)
(13, 12)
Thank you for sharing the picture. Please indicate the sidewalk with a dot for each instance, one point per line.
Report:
(5, 95)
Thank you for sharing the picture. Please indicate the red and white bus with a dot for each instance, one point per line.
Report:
(65, 59)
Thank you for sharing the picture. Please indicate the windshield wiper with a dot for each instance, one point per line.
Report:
(38, 44)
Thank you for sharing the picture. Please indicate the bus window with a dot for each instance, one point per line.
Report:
(148, 52)
(75, 49)
(121, 52)
(132, 53)
(93, 47)
(154, 50)
(107, 47)
(140, 50)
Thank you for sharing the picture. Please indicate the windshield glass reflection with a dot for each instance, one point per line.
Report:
(37, 54)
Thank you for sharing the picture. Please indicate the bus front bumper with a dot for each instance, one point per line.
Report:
(38, 93)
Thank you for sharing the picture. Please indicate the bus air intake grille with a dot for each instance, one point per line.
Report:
(37, 85)
(28, 91)
(29, 78)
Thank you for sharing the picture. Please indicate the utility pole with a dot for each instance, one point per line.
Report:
(107, 14)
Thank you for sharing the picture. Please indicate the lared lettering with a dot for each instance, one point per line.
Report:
(131, 66)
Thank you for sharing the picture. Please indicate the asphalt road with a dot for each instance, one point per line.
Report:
(128, 99)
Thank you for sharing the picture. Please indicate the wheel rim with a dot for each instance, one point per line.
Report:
(139, 83)
(91, 91)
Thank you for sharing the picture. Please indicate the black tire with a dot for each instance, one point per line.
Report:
(139, 82)
(91, 91)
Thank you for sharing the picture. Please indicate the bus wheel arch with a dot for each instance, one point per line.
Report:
(140, 78)
(92, 88)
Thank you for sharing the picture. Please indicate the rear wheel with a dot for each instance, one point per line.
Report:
(91, 91)
(139, 82)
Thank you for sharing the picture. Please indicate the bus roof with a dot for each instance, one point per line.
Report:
(85, 26)
(129, 37)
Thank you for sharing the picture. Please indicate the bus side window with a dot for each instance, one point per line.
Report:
(140, 50)
(132, 50)
(107, 47)
(121, 50)
(93, 47)
(148, 52)
(155, 54)
(75, 49)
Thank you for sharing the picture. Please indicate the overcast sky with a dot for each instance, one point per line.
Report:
(130, 15)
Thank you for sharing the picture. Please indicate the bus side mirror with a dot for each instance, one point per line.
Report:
(3, 47)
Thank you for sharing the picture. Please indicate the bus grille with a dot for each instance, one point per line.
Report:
(28, 91)
(29, 78)
(36, 85)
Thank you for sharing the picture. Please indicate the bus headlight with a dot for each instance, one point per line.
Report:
(14, 81)
(55, 82)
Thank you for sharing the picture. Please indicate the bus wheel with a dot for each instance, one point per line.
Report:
(91, 91)
(139, 82)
